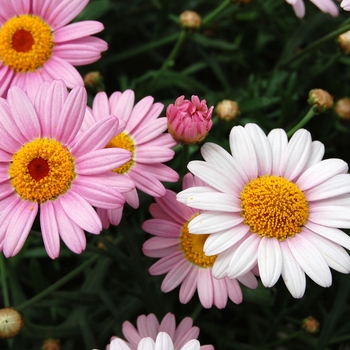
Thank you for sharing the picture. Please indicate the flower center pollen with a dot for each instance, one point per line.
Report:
(26, 43)
(192, 247)
(273, 206)
(41, 170)
(123, 140)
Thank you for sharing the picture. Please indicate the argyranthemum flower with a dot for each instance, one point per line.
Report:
(326, 6)
(37, 45)
(273, 203)
(162, 342)
(143, 136)
(149, 326)
(182, 256)
(45, 164)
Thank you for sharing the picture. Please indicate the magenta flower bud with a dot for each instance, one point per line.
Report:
(189, 121)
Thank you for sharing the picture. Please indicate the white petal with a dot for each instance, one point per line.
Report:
(292, 274)
(310, 260)
(269, 261)
(297, 154)
(262, 148)
(245, 257)
(334, 254)
(333, 234)
(209, 222)
(243, 151)
(279, 141)
(337, 185)
(320, 172)
(332, 216)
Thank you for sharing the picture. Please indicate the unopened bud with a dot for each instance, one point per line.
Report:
(94, 81)
(227, 110)
(310, 325)
(11, 322)
(51, 344)
(344, 42)
(320, 98)
(342, 108)
(189, 121)
(190, 20)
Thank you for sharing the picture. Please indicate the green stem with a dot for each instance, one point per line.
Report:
(207, 19)
(4, 282)
(310, 114)
(58, 284)
(169, 62)
(315, 45)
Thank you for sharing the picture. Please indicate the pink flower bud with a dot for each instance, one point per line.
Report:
(189, 121)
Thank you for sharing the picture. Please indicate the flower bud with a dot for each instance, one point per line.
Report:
(342, 108)
(11, 322)
(320, 98)
(190, 20)
(94, 81)
(189, 121)
(227, 110)
(344, 42)
(51, 344)
(310, 325)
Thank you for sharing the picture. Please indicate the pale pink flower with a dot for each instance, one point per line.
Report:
(345, 5)
(37, 44)
(326, 6)
(149, 327)
(273, 203)
(46, 164)
(182, 256)
(144, 136)
(189, 121)
(162, 342)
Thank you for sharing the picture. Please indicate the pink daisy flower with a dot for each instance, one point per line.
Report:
(182, 255)
(45, 163)
(144, 137)
(149, 326)
(326, 6)
(36, 44)
(162, 342)
(273, 203)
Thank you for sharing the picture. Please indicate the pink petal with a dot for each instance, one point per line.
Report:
(77, 30)
(49, 229)
(175, 276)
(234, 290)
(165, 264)
(188, 287)
(122, 104)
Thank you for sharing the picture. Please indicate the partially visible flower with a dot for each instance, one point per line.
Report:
(345, 5)
(273, 203)
(326, 6)
(310, 325)
(162, 342)
(344, 42)
(190, 20)
(320, 98)
(51, 344)
(189, 121)
(11, 322)
(46, 164)
(342, 108)
(144, 137)
(227, 110)
(182, 256)
(149, 326)
(37, 44)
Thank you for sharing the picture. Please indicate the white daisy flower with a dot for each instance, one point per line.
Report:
(275, 204)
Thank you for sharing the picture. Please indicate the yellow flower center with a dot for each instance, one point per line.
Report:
(41, 170)
(273, 206)
(26, 43)
(192, 247)
(123, 140)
